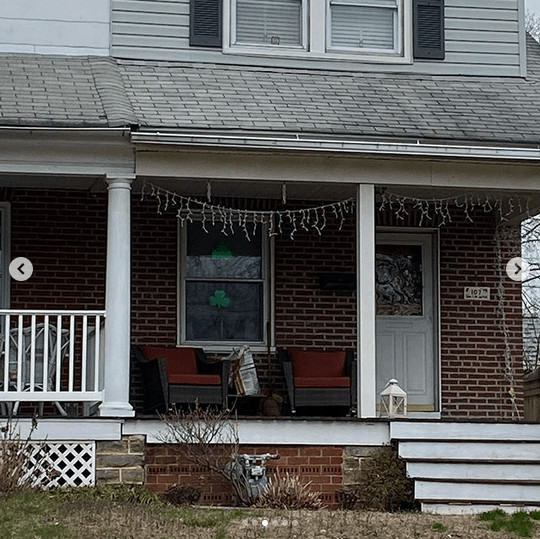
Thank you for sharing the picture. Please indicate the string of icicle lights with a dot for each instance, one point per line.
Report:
(231, 219)
(429, 208)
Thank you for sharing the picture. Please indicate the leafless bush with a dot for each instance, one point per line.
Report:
(530, 246)
(288, 492)
(15, 452)
(209, 438)
(532, 24)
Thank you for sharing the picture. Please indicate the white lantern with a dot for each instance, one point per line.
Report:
(393, 400)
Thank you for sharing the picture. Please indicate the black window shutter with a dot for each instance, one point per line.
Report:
(428, 29)
(205, 23)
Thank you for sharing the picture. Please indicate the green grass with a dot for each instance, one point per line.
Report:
(108, 511)
(22, 515)
(439, 527)
(521, 524)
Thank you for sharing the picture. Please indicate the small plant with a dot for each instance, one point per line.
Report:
(383, 483)
(287, 492)
(182, 495)
(349, 497)
(520, 523)
(439, 527)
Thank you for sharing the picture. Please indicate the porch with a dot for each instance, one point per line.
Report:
(464, 371)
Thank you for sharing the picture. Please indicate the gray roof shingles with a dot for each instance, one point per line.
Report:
(97, 91)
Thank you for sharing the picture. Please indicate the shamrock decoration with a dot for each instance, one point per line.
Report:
(220, 299)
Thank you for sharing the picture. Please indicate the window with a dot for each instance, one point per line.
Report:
(366, 30)
(326, 29)
(223, 294)
(271, 23)
(356, 25)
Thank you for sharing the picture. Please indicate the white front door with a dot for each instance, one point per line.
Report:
(406, 316)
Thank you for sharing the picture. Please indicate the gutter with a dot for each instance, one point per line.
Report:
(298, 143)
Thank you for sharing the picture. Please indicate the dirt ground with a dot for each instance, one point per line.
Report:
(97, 520)
(352, 524)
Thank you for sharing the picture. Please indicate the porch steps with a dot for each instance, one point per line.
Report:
(471, 467)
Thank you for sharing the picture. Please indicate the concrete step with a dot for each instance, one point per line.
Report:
(515, 452)
(477, 471)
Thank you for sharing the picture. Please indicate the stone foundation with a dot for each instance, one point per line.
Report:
(121, 461)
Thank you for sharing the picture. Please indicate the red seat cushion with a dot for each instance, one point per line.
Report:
(320, 381)
(312, 363)
(195, 379)
(179, 360)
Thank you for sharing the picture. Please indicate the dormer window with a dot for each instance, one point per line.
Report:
(381, 31)
(269, 23)
(370, 30)
(357, 25)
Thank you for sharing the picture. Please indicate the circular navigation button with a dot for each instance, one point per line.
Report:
(21, 269)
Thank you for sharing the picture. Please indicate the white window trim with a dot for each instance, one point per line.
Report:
(398, 31)
(267, 247)
(315, 36)
(232, 37)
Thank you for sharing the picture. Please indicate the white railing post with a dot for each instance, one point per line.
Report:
(117, 300)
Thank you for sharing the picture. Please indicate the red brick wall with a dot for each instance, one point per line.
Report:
(472, 341)
(64, 234)
(322, 465)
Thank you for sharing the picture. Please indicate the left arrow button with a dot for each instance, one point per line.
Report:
(21, 269)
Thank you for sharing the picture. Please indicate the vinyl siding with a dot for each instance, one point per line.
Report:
(71, 27)
(480, 39)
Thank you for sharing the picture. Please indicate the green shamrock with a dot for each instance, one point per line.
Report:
(220, 299)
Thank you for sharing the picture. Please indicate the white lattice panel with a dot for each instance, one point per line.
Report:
(60, 464)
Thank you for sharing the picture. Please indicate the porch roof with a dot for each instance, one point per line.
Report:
(40, 90)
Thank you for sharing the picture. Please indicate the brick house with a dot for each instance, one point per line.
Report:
(375, 160)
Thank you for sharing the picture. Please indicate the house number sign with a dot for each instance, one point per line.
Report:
(476, 292)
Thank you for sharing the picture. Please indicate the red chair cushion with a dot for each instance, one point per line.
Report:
(311, 363)
(179, 360)
(195, 379)
(340, 381)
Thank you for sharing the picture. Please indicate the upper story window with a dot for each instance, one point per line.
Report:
(356, 25)
(269, 23)
(319, 28)
(391, 31)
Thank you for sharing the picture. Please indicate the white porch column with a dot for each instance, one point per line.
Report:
(117, 300)
(365, 297)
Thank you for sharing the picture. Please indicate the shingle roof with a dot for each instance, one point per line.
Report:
(74, 91)
(81, 91)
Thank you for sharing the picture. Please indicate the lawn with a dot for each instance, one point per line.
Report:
(90, 513)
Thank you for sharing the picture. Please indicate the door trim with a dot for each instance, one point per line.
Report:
(402, 233)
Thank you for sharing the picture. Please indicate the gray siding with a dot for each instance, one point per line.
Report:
(482, 37)
(70, 27)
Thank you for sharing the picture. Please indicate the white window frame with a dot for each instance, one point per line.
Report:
(398, 28)
(316, 36)
(266, 247)
(276, 48)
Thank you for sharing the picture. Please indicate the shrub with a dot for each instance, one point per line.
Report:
(17, 471)
(182, 495)
(383, 484)
(287, 492)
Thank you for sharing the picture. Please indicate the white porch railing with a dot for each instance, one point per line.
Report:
(51, 356)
